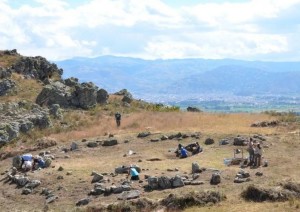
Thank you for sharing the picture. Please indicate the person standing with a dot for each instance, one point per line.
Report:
(257, 155)
(251, 152)
(118, 118)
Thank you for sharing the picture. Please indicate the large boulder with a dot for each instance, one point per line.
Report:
(85, 95)
(215, 178)
(6, 86)
(164, 182)
(102, 96)
(195, 168)
(177, 181)
(37, 68)
(153, 182)
(55, 93)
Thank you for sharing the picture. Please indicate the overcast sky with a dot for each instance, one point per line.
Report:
(150, 29)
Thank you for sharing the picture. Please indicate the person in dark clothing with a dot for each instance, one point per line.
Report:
(118, 118)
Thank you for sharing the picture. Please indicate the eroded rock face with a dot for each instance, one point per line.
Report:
(36, 68)
(16, 118)
(102, 96)
(85, 95)
(55, 93)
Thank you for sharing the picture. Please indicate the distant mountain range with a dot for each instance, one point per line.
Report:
(186, 76)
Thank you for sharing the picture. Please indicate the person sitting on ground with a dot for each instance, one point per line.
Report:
(26, 163)
(183, 152)
(38, 162)
(177, 152)
(196, 149)
(133, 173)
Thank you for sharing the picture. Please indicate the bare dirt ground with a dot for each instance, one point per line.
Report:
(282, 154)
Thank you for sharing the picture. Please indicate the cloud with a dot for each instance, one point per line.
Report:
(60, 29)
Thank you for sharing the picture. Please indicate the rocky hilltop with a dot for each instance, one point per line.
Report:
(20, 115)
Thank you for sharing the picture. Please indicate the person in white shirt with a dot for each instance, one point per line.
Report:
(257, 155)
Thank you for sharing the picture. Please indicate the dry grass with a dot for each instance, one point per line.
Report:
(27, 89)
(7, 60)
(208, 123)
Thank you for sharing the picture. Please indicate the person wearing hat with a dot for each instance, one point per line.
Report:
(133, 173)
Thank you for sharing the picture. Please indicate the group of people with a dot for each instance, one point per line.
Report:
(255, 153)
(182, 152)
(29, 162)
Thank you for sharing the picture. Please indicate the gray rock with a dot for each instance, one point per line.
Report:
(127, 195)
(20, 180)
(84, 201)
(209, 141)
(110, 142)
(123, 92)
(143, 134)
(6, 86)
(26, 126)
(224, 142)
(92, 144)
(37, 68)
(55, 93)
(153, 182)
(33, 184)
(74, 146)
(51, 199)
(241, 180)
(102, 96)
(85, 95)
(120, 189)
(195, 168)
(215, 178)
(177, 181)
(164, 182)
(97, 177)
(164, 137)
(5, 73)
(72, 81)
(240, 141)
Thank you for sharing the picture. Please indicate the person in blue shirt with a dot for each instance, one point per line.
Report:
(39, 161)
(133, 173)
(183, 152)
